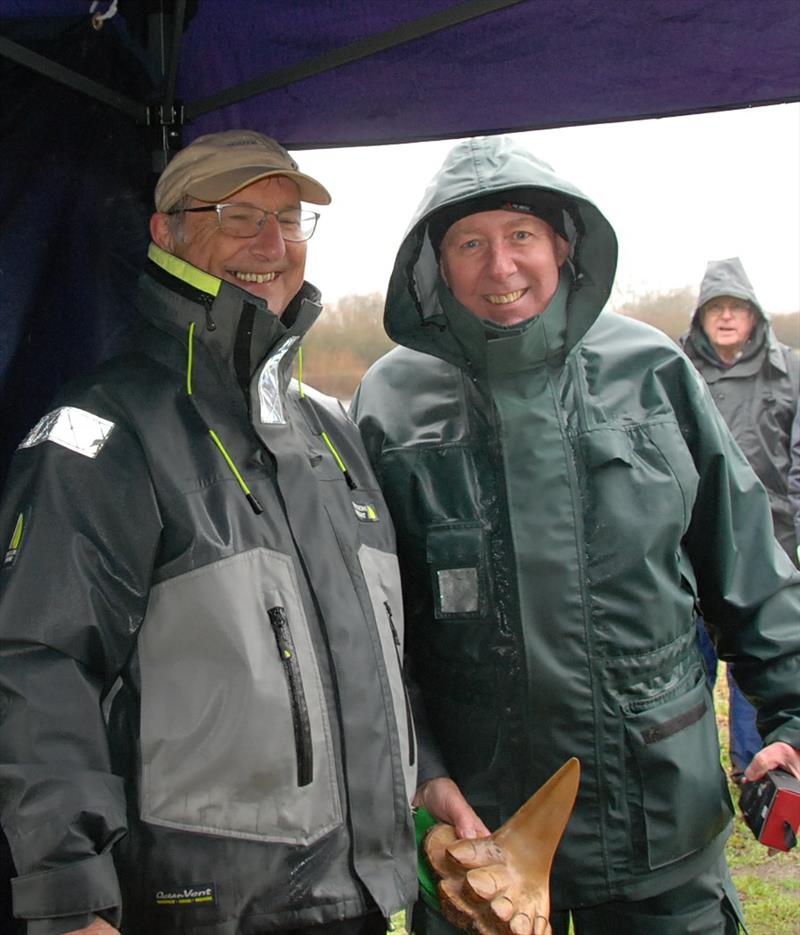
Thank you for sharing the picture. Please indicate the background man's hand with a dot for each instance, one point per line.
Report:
(445, 801)
(777, 755)
(98, 927)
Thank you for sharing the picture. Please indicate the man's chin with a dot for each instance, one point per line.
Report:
(514, 315)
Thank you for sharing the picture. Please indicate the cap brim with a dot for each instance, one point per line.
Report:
(227, 183)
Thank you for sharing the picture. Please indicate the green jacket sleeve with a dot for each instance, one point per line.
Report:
(748, 589)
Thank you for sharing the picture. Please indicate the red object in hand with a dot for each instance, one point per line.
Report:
(771, 808)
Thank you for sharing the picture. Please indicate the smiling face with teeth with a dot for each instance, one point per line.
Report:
(265, 265)
(502, 265)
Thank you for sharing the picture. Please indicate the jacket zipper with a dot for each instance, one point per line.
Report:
(207, 301)
(300, 719)
(409, 721)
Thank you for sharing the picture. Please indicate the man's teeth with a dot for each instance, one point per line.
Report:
(255, 277)
(506, 297)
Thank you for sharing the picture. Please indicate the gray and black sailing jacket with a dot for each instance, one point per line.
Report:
(757, 394)
(203, 723)
(564, 492)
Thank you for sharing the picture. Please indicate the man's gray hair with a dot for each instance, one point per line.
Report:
(177, 225)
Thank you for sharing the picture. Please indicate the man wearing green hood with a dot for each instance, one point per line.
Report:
(755, 382)
(565, 492)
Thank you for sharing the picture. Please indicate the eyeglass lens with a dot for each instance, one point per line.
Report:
(737, 311)
(295, 224)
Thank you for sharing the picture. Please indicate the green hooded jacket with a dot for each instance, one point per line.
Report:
(564, 493)
(757, 394)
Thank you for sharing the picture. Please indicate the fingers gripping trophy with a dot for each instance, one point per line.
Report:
(500, 885)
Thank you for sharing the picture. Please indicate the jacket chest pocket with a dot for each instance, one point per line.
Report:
(235, 737)
(644, 474)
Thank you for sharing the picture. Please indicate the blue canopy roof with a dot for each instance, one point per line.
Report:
(360, 72)
(89, 114)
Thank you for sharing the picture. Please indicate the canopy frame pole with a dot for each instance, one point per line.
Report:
(72, 79)
(168, 114)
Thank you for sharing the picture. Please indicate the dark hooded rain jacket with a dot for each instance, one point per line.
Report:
(203, 726)
(757, 394)
(563, 493)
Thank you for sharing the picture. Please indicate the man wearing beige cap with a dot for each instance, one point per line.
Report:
(203, 725)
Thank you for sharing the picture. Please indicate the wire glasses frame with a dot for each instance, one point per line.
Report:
(243, 220)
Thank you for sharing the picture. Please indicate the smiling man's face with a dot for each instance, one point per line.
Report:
(264, 265)
(503, 265)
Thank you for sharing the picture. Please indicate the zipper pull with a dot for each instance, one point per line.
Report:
(277, 617)
(207, 301)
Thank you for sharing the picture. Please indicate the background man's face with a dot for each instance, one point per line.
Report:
(502, 265)
(728, 322)
(264, 265)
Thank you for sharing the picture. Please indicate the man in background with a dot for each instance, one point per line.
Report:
(753, 379)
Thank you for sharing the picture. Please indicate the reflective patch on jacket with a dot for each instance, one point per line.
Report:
(76, 429)
(269, 390)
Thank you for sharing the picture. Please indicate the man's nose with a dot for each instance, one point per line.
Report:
(269, 241)
(501, 261)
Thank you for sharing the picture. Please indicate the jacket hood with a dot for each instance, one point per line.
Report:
(727, 277)
(419, 308)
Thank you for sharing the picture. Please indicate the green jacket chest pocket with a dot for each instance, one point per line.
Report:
(640, 478)
(456, 555)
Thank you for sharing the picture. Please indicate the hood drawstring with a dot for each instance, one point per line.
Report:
(251, 498)
(317, 428)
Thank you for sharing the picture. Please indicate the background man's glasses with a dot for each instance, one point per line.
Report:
(737, 311)
(242, 220)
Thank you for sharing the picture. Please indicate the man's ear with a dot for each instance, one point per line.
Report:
(562, 249)
(442, 272)
(161, 232)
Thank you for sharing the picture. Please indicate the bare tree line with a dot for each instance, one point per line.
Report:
(349, 335)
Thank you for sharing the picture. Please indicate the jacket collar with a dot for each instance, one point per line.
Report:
(483, 346)
(238, 329)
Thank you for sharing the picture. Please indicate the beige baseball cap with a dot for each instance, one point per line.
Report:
(217, 165)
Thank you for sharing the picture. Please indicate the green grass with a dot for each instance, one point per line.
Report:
(769, 887)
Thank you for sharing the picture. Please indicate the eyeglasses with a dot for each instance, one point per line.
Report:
(736, 311)
(242, 220)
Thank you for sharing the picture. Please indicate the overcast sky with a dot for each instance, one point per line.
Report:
(678, 191)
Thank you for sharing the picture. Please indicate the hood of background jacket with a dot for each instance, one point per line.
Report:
(421, 312)
(726, 277)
